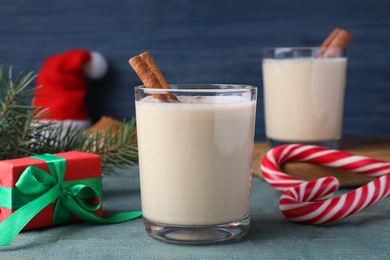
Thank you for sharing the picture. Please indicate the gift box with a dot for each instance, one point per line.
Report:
(67, 183)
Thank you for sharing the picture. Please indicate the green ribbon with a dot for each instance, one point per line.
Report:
(69, 198)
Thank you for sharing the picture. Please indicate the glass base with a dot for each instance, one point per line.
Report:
(331, 144)
(197, 234)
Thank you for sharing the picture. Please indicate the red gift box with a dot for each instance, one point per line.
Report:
(80, 168)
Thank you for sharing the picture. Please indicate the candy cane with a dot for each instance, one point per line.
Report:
(310, 201)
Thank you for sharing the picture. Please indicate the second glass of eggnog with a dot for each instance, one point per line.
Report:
(303, 95)
(195, 159)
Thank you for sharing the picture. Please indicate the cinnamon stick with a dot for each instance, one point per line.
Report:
(337, 39)
(149, 73)
(102, 126)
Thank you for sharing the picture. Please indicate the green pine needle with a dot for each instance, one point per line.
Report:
(22, 136)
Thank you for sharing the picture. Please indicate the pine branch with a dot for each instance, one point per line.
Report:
(14, 112)
(117, 145)
(21, 135)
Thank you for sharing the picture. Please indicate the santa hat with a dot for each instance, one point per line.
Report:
(62, 85)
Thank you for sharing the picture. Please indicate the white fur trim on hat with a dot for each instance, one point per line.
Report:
(97, 67)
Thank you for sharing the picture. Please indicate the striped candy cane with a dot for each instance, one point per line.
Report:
(311, 202)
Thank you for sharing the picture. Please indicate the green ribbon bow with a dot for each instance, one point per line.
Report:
(69, 198)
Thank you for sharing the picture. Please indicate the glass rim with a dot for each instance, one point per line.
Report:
(301, 48)
(282, 53)
(211, 88)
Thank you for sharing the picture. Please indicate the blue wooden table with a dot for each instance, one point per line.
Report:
(271, 236)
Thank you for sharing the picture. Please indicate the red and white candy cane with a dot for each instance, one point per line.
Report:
(311, 202)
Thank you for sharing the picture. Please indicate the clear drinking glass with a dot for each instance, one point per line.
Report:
(304, 95)
(195, 161)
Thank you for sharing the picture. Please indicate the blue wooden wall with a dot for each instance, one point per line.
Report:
(204, 41)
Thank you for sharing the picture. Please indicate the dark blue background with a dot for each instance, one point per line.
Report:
(204, 42)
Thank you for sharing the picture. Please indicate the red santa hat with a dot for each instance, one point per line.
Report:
(62, 85)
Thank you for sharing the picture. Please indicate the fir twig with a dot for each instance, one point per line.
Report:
(117, 147)
(21, 133)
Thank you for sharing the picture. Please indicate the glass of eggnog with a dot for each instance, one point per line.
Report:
(304, 95)
(195, 158)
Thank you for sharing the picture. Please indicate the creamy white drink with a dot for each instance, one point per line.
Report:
(195, 159)
(303, 98)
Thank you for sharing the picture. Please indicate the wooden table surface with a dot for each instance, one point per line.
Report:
(271, 236)
(373, 148)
